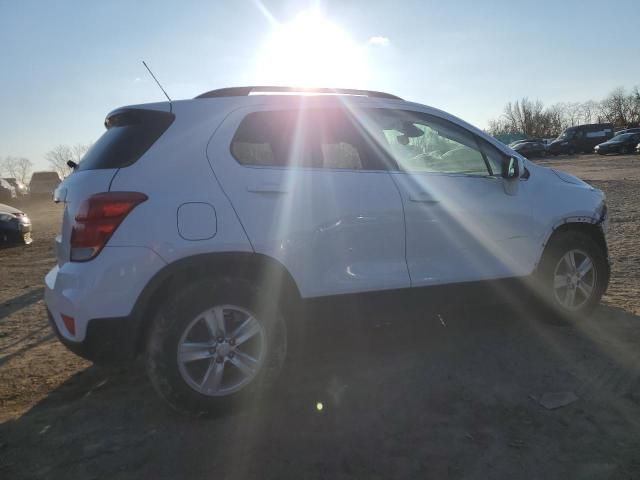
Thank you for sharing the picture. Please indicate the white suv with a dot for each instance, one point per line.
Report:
(190, 227)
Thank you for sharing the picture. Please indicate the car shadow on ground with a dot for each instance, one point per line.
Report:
(376, 391)
(21, 301)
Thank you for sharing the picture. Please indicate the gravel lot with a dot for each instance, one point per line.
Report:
(405, 394)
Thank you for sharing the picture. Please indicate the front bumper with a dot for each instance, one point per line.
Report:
(556, 149)
(605, 150)
(16, 231)
(100, 296)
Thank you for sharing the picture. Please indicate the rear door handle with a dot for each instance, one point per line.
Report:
(268, 188)
(422, 198)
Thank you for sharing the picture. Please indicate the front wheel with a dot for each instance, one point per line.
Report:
(215, 342)
(574, 274)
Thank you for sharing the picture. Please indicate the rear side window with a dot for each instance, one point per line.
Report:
(130, 133)
(597, 134)
(323, 138)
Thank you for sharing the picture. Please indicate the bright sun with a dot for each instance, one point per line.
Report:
(312, 51)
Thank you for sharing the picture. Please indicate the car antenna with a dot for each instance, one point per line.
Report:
(154, 77)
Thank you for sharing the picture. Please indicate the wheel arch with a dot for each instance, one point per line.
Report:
(585, 225)
(181, 272)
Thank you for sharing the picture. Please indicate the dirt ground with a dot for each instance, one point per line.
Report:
(405, 394)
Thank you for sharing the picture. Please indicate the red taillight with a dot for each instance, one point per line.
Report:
(97, 219)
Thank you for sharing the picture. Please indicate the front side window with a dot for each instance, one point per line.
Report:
(323, 138)
(567, 134)
(424, 143)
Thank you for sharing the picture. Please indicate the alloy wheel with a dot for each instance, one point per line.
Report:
(574, 279)
(221, 350)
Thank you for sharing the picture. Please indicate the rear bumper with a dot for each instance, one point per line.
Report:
(100, 296)
(106, 340)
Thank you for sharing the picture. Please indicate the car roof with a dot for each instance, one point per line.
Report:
(246, 91)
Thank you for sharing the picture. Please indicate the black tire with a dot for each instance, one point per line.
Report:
(624, 150)
(560, 245)
(571, 151)
(177, 314)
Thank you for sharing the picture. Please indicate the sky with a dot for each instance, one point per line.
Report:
(64, 65)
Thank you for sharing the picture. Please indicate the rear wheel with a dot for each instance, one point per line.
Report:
(214, 344)
(624, 150)
(574, 274)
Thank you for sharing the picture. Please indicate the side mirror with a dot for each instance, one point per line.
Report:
(511, 168)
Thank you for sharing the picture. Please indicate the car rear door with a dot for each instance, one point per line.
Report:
(310, 192)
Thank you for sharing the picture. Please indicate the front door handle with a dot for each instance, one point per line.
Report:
(422, 198)
(268, 188)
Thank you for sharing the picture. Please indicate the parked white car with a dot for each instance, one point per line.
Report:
(191, 227)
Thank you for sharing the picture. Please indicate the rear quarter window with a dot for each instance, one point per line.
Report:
(130, 133)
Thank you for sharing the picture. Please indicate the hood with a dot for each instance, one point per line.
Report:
(567, 178)
(7, 209)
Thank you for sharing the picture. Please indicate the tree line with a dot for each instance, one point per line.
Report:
(534, 119)
(21, 167)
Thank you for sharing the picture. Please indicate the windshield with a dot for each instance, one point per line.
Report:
(567, 135)
(623, 138)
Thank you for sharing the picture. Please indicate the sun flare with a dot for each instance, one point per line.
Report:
(312, 51)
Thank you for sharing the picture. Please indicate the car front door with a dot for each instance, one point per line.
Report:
(464, 221)
(310, 193)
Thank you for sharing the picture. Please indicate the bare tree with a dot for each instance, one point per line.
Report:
(62, 154)
(17, 167)
(621, 108)
(634, 106)
(527, 117)
(499, 126)
(590, 112)
(79, 151)
(531, 118)
(58, 158)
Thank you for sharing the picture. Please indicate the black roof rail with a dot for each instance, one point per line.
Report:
(245, 91)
